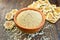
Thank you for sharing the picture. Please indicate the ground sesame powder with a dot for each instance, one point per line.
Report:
(29, 18)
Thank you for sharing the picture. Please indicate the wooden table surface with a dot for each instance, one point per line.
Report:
(7, 5)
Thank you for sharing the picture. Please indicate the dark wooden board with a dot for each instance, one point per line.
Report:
(7, 5)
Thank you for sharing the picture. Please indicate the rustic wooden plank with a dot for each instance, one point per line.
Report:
(58, 28)
(7, 5)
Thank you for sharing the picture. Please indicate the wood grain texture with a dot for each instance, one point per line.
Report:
(57, 2)
(7, 5)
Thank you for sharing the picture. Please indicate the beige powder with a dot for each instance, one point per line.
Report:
(29, 19)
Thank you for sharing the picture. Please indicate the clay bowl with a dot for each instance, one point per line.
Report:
(30, 30)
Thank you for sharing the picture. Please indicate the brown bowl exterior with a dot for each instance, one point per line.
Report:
(27, 30)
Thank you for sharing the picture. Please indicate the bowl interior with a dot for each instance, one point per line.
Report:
(21, 10)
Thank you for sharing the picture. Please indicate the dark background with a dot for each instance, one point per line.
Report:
(57, 2)
(7, 5)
